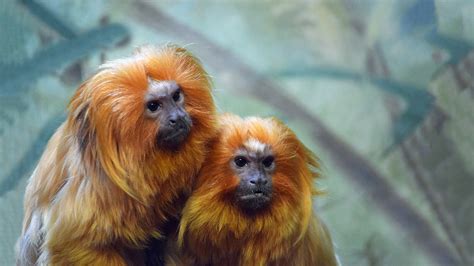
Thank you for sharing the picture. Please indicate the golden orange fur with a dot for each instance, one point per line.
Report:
(102, 185)
(215, 231)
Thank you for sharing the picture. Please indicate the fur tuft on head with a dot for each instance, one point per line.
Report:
(106, 114)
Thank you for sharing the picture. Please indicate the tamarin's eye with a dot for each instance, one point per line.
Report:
(267, 162)
(240, 161)
(153, 105)
(177, 96)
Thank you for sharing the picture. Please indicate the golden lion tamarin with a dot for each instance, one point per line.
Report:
(111, 175)
(252, 204)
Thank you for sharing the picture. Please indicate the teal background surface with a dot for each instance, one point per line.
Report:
(381, 90)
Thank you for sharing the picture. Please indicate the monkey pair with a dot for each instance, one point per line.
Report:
(142, 135)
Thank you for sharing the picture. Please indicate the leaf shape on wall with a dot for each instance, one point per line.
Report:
(59, 55)
(49, 18)
(419, 101)
(420, 14)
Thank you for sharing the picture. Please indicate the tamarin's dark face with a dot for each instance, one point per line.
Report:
(165, 103)
(254, 165)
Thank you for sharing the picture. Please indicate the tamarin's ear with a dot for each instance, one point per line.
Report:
(303, 151)
(90, 128)
(84, 132)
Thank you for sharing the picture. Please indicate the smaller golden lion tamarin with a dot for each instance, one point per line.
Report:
(112, 174)
(252, 203)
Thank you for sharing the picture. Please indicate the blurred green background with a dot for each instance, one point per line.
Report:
(381, 90)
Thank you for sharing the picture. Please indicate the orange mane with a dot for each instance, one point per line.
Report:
(107, 115)
(211, 208)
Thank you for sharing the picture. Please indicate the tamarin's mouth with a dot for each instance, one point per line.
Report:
(254, 199)
(173, 138)
(254, 195)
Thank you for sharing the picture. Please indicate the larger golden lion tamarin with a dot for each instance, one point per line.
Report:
(110, 176)
(252, 204)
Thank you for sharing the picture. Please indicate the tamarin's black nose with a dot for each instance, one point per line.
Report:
(176, 121)
(177, 124)
(259, 180)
